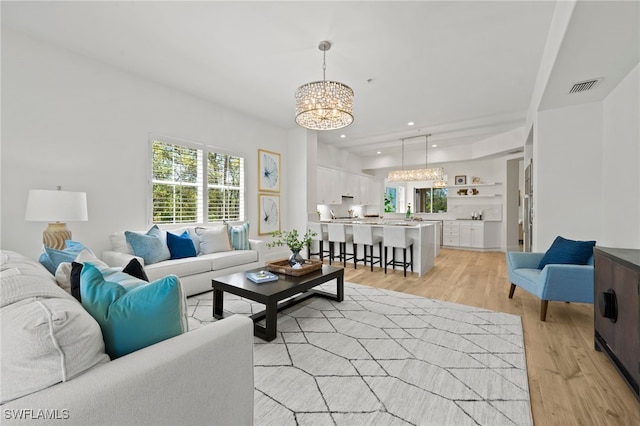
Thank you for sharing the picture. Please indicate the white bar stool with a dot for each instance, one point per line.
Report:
(338, 234)
(396, 237)
(321, 236)
(363, 234)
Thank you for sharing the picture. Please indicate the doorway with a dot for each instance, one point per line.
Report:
(514, 192)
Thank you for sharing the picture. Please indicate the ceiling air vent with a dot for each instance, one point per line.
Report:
(583, 86)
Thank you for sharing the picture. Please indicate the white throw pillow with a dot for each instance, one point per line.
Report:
(119, 243)
(214, 239)
(48, 341)
(63, 273)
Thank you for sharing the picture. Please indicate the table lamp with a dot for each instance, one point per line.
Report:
(56, 207)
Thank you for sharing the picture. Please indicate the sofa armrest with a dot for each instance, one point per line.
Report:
(116, 259)
(570, 283)
(261, 247)
(520, 259)
(201, 377)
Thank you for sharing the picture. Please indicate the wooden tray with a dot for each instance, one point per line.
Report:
(282, 267)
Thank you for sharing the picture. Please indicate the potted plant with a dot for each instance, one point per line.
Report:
(295, 243)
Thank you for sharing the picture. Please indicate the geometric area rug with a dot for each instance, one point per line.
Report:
(385, 358)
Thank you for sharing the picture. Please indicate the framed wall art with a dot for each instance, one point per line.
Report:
(268, 171)
(461, 180)
(269, 210)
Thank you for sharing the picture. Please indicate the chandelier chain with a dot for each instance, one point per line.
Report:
(426, 149)
(324, 65)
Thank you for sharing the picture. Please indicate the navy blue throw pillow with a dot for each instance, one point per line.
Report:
(570, 252)
(76, 270)
(135, 269)
(181, 246)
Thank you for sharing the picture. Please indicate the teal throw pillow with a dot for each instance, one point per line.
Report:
(52, 258)
(563, 251)
(181, 246)
(152, 246)
(133, 318)
(239, 236)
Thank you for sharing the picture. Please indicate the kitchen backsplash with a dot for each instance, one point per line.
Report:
(489, 212)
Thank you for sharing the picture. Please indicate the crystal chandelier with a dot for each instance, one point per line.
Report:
(324, 105)
(435, 174)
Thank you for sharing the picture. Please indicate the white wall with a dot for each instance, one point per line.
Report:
(567, 158)
(586, 175)
(71, 121)
(621, 160)
(336, 158)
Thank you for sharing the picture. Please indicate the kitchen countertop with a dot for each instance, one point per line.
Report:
(400, 222)
(380, 222)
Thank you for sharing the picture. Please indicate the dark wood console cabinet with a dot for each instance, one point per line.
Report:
(617, 310)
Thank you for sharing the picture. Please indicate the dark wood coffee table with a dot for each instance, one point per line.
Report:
(273, 293)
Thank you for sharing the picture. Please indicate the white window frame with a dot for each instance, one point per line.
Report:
(202, 181)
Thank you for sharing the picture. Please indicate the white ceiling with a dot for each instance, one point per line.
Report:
(461, 70)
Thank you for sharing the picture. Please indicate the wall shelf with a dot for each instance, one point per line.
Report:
(481, 194)
(474, 196)
(475, 185)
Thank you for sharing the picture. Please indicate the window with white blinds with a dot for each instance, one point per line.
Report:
(195, 184)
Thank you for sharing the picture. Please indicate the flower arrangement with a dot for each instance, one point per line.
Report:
(291, 239)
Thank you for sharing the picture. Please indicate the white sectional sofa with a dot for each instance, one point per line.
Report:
(55, 369)
(195, 273)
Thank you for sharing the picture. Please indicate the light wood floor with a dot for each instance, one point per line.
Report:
(569, 382)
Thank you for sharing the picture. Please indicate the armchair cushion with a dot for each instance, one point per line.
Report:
(564, 251)
(553, 282)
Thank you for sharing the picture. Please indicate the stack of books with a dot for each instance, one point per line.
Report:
(261, 276)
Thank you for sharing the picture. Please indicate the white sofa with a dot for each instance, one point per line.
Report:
(204, 376)
(195, 273)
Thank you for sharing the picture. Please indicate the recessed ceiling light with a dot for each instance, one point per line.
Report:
(411, 123)
(434, 145)
(379, 152)
(343, 136)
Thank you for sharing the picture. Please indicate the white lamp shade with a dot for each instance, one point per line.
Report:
(56, 206)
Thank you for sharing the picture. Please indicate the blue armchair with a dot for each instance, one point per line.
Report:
(564, 283)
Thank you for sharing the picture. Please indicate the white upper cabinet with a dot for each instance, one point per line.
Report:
(329, 186)
(333, 184)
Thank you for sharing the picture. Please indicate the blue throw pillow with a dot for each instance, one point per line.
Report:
(51, 258)
(571, 252)
(151, 246)
(133, 318)
(181, 246)
(239, 236)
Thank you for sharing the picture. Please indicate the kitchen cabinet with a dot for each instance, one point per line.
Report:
(329, 186)
(474, 234)
(451, 233)
(351, 186)
(369, 191)
(333, 184)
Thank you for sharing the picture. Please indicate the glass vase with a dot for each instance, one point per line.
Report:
(295, 258)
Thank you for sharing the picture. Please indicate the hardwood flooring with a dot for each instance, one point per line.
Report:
(569, 382)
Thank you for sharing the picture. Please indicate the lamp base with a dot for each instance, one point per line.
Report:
(55, 235)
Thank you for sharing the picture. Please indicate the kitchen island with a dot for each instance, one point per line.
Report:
(422, 233)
